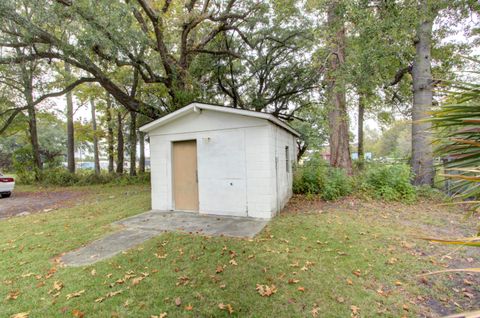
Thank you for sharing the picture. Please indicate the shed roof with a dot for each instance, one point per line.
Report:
(192, 107)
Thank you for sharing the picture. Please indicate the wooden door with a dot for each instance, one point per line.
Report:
(185, 181)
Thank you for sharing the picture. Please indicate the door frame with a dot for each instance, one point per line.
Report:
(172, 142)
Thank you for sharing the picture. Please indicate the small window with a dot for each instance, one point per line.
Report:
(287, 159)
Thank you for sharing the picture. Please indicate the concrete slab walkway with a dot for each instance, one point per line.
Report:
(139, 228)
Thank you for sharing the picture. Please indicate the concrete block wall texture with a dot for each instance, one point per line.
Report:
(280, 139)
(235, 160)
(285, 176)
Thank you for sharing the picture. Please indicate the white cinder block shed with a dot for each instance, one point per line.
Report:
(221, 160)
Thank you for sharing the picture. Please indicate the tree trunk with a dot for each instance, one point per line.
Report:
(141, 163)
(337, 117)
(422, 154)
(133, 143)
(109, 133)
(302, 146)
(32, 124)
(70, 128)
(96, 158)
(120, 144)
(361, 114)
(33, 134)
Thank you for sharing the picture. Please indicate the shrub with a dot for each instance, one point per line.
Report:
(336, 184)
(316, 177)
(389, 182)
(22, 164)
(61, 177)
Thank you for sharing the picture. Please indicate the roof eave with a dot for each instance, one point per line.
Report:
(183, 111)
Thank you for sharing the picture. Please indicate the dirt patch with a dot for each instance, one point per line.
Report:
(39, 201)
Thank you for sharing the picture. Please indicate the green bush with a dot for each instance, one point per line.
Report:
(389, 182)
(316, 177)
(384, 182)
(22, 160)
(61, 177)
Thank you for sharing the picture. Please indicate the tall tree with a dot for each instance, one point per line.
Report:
(132, 36)
(96, 157)
(70, 127)
(337, 116)
(422, 153)
(141, 159)
(361, 118)
(132, 138)
(110, 138)
(275, 71)
(120, 143)
(27, 79)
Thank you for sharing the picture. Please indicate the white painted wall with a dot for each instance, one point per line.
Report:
(279, 140)
(235, 160)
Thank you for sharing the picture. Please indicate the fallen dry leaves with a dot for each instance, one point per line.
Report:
(77, 313)
(355, 310)
(12, 295)
(57, 286)
(265, 290)
(226, 307)
(20, 315)
(182, 281)
(178, 301)
(108, 295)
(75, 294)
(51, 272)
(27, 275)
(137, 280)
(162, 315)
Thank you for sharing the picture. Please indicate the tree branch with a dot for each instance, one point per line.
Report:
(66, 89)
(399, 75)
(220, 52)
(65, 2)
(10, 119)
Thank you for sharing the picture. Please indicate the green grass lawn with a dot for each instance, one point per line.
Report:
(349, 259)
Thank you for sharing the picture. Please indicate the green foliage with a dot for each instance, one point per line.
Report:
(382, 182)
(316, 177)
(457, 125)
(61, 177)
(313, 128)
(388, 182)
(22, 161)
(395, 141)
(431, 193)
